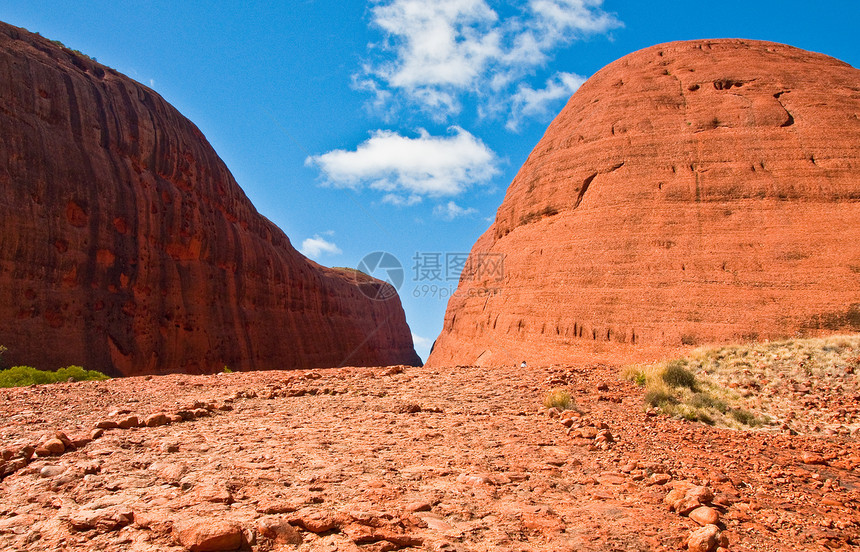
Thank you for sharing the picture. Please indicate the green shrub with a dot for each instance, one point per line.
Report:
(677, 375)
(660, 398)
(21, 376)
(704, 400)
(745, 417)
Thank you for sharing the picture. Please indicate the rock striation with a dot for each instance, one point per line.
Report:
(689, 193)
(127, 246)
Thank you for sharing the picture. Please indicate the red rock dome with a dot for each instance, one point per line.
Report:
(689, 193)
(126, 245)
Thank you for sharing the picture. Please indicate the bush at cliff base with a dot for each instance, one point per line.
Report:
(20, 376)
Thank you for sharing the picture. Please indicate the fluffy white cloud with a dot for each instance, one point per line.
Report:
(528, 102)
(451, 210)
(409, 168)
(318, 246)
(421, 342)
(433, 53)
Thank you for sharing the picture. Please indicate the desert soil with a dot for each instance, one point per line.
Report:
(458, 459)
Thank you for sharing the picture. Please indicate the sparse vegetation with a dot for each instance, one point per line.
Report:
(21, 376)
(227, 370)
(750, 385)
(2, 350)
(675, 389)
(675, 374)
(558, 398)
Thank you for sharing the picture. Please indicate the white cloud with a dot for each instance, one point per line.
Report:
(318, 246)
(434, 53)
(451, 210)
(400, 200)
(421, 342)
(409, 168)
(528, 102)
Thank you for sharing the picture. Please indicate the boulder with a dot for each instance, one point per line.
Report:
(689, 193)
(126, 245)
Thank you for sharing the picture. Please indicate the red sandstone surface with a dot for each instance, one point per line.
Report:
(399, 458)
(689, 193)
(126, 245)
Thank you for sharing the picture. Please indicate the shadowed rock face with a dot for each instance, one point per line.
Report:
(691, 192)
(127, 246)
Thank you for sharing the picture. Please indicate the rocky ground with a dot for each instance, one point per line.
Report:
(461, 459)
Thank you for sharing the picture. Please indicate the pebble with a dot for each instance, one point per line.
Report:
(51, 471)
(51, 447)
(208, 535)
(278, 530)
(705, 515)
(128, 422)
(704, 539)
(155, 420)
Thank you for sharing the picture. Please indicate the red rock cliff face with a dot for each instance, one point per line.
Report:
(689, 193)
(127, 246)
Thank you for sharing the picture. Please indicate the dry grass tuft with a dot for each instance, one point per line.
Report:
(749, 385)
(558, 398)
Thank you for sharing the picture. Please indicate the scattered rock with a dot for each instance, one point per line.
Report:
(51, 471)
(208, 535)
(704, 539)
(315, 521)
(128, 422)
(705, 515)
(102, 519)
(155, 420)
(278, 530)
(812, 458)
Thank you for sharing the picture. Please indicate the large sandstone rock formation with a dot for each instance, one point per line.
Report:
(692, 192)
(127, 246)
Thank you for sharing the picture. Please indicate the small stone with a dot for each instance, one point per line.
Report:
(274, 506)
(316, 521)
(27, 452)
(700, 493)
(686, 505)
(673, 497)
(80, 441)
(107, 424)
(208, 535)
(659, 479)
(155, 420)
(103, 519)
(703, 539)
(471, 479)
(51, 471)
(214, 493)
(278, 530)
(96, 433)
(419, 506)
(172, 472)
(812, 458)
(128, 422)
(705, 515)
(51, 447)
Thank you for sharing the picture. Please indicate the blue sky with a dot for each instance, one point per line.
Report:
(395, 125)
